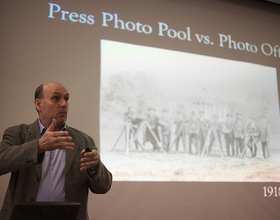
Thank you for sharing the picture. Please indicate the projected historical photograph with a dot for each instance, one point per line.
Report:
(174, 116)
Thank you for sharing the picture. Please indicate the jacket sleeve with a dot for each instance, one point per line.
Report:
(102, 180)
(15, 152)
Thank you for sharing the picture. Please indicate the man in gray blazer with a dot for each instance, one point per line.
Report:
(47, 159)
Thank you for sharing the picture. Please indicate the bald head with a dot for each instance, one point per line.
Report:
(39, 90)
(52, 86)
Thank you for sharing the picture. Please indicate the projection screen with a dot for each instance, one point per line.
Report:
(181, 97)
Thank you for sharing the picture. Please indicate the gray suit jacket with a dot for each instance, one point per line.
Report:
(19, 155)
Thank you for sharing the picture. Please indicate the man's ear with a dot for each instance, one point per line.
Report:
(38, 104)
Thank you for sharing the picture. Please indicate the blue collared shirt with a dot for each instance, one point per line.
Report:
(52, 187)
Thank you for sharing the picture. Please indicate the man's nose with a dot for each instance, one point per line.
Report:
(63, 104)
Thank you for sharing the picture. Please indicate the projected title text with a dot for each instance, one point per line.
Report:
(163, 30)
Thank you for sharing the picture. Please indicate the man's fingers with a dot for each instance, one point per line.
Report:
(63, 142)
(89, 154)
(89, 157)
(52, 126)
(57, 134)
(63, 138)
(66, 148)
(88, 165)
(65, 145)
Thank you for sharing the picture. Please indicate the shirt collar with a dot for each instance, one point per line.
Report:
(43, 129)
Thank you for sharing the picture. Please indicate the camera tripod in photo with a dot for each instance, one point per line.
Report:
(252, 138)
(253, 144)
(152, 136)
(131, 134)
(213, 137)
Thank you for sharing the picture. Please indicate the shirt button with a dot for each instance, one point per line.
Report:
(51, 183)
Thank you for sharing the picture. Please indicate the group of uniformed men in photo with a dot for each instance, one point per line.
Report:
(198, 134)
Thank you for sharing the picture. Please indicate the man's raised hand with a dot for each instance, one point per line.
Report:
(52, 140)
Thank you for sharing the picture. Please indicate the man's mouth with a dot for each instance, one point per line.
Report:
(62, 113)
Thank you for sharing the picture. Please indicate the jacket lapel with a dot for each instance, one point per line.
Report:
(71, 154)
(33, 132)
